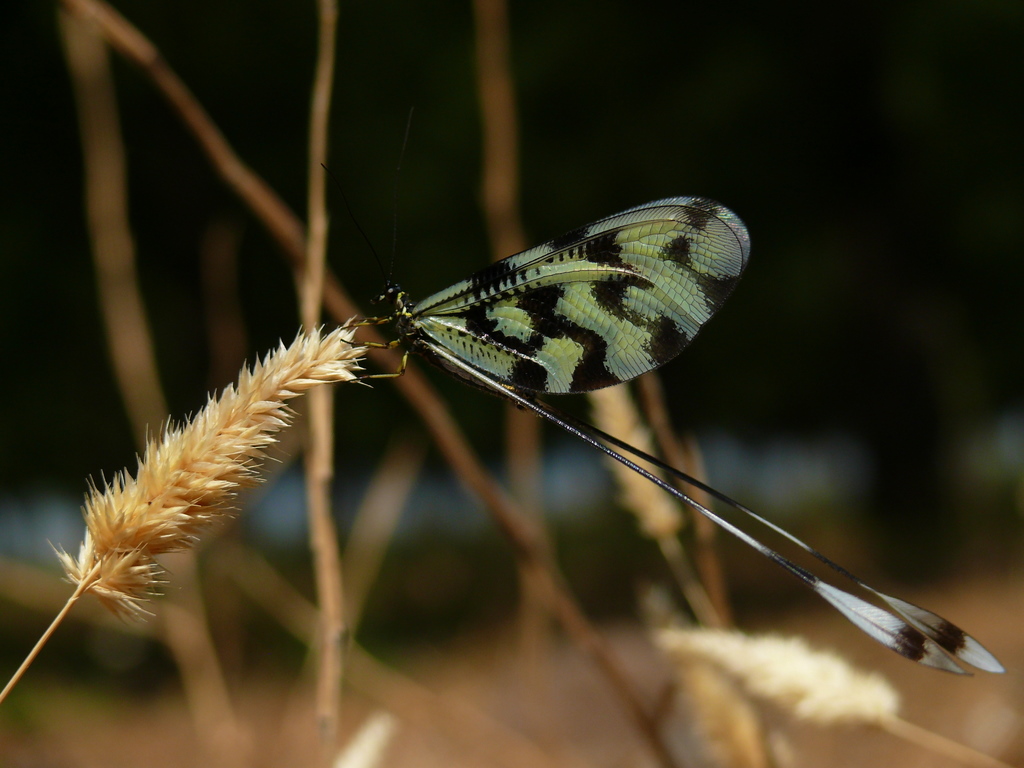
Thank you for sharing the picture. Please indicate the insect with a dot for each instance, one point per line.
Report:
(602, 305)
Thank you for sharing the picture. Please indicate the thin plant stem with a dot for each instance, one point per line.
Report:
(477, 731)
(500, 168)
(413, 702)
(129, 342)
(125, 38)
(320, 444)
(186, 632)
(660, 516)
(686, 577)
(267, 588)
(499, 187)
(939, 744)
(222, 304)
(686, 456)
(374, 523)
(83, 585)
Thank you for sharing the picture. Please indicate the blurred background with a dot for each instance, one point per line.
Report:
(863, 385)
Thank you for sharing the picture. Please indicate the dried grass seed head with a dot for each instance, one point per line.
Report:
(187, 479)
(811, 685)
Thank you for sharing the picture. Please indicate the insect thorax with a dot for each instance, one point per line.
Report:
(405, 326)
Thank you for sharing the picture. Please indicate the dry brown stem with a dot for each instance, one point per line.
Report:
(500, 181)
(129, 342)
(659, 514)
(224, 738)
(320, 443)
(227, 338)
(41, 642)
(120, 34)
(376, 520)
(615, 412)
(487, 740)
(685, 455)
(939, 744)
(499, 192)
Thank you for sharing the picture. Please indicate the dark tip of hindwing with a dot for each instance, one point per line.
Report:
(887, 628)
(946, 634)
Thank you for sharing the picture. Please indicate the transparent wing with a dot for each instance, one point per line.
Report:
(597, 306)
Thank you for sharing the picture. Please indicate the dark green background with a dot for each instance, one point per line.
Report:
(874, 150)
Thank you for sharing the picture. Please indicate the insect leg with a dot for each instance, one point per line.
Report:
(370, 321)
(393, 374)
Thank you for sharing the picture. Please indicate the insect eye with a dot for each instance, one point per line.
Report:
(390, 294)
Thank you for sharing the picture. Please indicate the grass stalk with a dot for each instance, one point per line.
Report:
(129, 341)
(320, 442)
(685, 454)
(83, 585)
(659, 516)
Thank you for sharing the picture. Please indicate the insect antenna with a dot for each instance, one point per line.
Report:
(359, 227)
(394, 195)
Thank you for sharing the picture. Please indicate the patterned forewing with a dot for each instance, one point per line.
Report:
(597, 306)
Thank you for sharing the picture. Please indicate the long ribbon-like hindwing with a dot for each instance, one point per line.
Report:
(600, 306)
